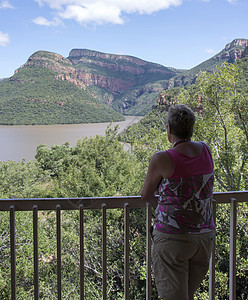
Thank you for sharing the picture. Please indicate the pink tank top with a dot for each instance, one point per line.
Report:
(185, 165)
(185, 199)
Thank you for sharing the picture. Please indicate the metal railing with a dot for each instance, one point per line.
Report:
(105, 203)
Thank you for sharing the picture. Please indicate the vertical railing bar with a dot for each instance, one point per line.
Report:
(233, 236)
(81, 220)
(58, 229)
(212, 263)
(104, 252)
(13, 252)
(126, 250)
(35, 250)
(148, 251)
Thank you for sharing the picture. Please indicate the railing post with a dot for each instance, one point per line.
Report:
(104, 252)
(81, 218)
(13, 252)
(148, 251)
(212, 263)
(233, 236)
(126, 251)
(58, 227)
(35, 249)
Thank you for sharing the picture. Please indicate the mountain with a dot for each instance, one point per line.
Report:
(131, 85)
(45, 90)
(91, 86)
(231, 53)
(52, 89)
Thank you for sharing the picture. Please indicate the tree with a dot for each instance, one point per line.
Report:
(221, 108)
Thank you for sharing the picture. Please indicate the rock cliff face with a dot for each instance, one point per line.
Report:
(53, 61)
(115, 73)
(237, 42)
(232, 51)
(114, 85)
(57, 63)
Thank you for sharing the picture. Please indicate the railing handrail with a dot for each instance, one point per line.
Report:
(225, 197)
(25, 204)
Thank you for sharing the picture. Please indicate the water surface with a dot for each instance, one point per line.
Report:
(18, 142)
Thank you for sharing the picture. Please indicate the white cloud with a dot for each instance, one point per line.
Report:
(4, 39)
(5, 4)
(98, 13)
(105, 11)
(44, 22)
(210, 51)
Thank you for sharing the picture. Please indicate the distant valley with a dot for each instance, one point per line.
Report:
(90, 86)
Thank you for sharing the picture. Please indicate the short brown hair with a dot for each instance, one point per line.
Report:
(181, 120)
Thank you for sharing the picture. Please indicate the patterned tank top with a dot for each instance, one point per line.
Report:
(185, 199)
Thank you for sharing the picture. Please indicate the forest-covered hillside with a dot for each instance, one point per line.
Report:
(34, 96)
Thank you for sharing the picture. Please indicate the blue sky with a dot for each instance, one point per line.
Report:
(174, 33)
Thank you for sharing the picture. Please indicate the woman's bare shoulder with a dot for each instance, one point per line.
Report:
(161, 155)
(163, 162)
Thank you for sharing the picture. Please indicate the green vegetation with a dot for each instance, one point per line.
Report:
(94, 167)
(137, 101)
(33, 96)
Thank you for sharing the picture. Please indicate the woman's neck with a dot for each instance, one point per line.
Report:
(180, 141)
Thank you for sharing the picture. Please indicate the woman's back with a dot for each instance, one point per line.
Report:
(191, 159)
(185, 198)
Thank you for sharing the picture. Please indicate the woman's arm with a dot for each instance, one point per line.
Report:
(153, 178)
(161, 166)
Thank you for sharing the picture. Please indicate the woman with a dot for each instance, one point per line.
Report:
(184, 230)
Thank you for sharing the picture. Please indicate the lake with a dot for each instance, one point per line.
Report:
(20, 142)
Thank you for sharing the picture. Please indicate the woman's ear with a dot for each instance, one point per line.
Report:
(168, 132)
